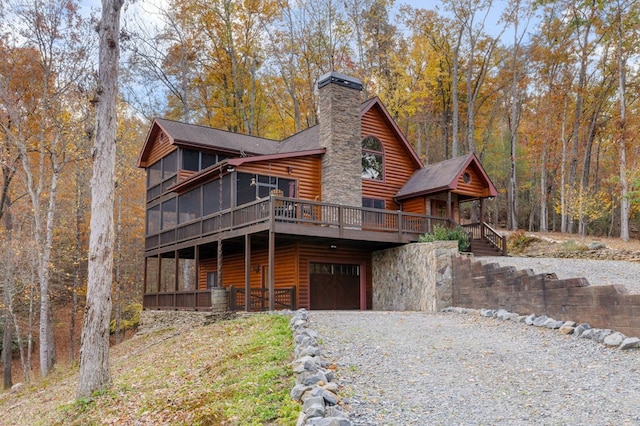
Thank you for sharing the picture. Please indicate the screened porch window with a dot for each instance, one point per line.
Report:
(252, 187)
(169, 214)
(195, 161)
(211, 196)
(189, 206)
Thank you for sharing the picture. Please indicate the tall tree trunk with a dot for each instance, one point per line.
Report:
(77, 276)
(7, 296)
(118, 260)
(47, 341)
(456, 97)
(94, 351)
(6, 338)
(622, 93)
(544, 227)
(575, 142)
(563, 172)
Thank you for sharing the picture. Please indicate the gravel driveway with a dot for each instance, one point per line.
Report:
(416, 368)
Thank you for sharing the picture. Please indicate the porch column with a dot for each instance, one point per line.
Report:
(272, 255)
(449, 210)
(247, 273)
(481, 210)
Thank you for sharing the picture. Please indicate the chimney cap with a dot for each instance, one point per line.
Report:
(340, 79)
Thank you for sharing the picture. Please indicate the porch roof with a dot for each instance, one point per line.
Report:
(442, 177)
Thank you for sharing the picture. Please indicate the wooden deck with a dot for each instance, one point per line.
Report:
(298, 217)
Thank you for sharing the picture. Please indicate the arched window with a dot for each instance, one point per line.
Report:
(372, 158)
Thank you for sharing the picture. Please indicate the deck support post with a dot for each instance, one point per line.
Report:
(196, 261)
(272, 255)
(159, 274)
(144, 281)
(176, 278)
(247, 272)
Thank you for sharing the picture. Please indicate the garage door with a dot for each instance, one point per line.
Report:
(334, 286)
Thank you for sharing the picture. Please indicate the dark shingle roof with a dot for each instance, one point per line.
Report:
(435, 177)
(191, 134)
(305, 140)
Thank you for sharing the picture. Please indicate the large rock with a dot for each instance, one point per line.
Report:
(614, 339)
(630, 343)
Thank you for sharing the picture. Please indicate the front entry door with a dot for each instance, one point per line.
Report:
(334, 286)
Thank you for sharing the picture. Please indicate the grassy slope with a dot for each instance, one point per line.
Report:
(233, 373)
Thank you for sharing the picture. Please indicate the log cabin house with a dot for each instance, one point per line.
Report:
(292, 223)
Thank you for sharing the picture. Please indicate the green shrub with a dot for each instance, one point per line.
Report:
(442, 233)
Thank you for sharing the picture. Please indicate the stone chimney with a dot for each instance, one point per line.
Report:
(340, 134)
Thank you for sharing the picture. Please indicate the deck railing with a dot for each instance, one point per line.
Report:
(284, 298)
(200, 300)
(298, 212)
(193, 300)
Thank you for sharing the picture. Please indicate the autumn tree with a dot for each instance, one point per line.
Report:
(46, 115)
(94, 352)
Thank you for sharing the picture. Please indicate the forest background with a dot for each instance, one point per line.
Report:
(544, 92)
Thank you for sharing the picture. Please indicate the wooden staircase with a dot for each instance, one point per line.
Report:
(486, 241)
(481, 247)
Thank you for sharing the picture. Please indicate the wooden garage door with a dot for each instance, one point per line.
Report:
(334, 286)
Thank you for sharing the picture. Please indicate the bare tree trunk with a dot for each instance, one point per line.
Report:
(47, 341)
(544, 227)
(456, 97)
(118, 260)
(6, 339)
(622, 93)
(94, 351)
(7, 296)
(563, 173)
(77, 274)
(582, 78)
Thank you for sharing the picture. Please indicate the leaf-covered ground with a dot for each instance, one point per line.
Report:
(229, 373)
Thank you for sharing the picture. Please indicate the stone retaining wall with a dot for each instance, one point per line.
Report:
(414, 277)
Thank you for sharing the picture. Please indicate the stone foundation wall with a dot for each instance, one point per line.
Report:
(414, 277)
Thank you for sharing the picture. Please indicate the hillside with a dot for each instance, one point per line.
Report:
(213, 375)
(555, 244)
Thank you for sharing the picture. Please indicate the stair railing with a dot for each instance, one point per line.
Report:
(494, 238)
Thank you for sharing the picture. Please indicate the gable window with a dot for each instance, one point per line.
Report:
(372, 159)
